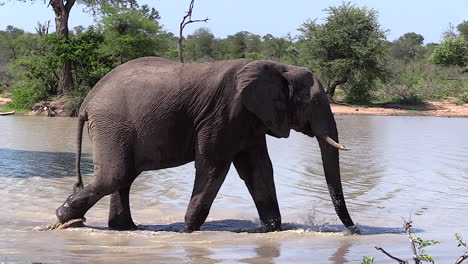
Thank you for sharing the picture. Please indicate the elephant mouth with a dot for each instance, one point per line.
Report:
(333, 143)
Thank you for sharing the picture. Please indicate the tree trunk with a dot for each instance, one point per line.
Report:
(62, 13)
(331, 88)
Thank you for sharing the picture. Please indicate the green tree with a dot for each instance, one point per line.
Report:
(463, 28)
(167, 43)
(275, 48)
(348, 49)
(452, 51)
(237, 45)
(35, 74)
(408, 47)
(253, 43)
(199, 44)
(40, 57)
(129, 32)
(9, 49)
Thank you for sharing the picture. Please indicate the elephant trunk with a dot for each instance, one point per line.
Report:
(331, 167)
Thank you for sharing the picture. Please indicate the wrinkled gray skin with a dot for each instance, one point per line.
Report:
(151, 113)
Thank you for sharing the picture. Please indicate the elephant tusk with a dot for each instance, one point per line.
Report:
(332, 142)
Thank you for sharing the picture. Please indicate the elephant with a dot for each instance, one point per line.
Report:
(152, 113)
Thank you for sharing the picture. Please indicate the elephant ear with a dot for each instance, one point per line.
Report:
(264, 91)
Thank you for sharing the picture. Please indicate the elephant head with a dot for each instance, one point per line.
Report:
(287, 97)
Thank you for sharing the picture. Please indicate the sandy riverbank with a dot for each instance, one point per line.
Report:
(441, 108)
(3, 102)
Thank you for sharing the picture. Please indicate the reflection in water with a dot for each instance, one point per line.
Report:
(340, 254)
(264, 254)
(396, 165)
(199, 255)
(26, 163)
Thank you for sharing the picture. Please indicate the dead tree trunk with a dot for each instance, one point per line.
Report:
(62, 13)
(331, 88)
(182, 26)
(42, 29)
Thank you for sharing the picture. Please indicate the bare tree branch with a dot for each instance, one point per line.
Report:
(401, 261)
(182, 26)
(407, 227)
(462, 258)
(42, 29)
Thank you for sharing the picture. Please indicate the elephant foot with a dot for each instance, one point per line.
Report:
(66, 211)
(190, 228)
(121, 223)
(272, 225)
(353, 230)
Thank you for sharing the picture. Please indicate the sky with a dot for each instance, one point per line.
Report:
(277, 17)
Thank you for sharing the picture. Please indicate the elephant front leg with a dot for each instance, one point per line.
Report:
(254, 167)
(120, 217)
(210, 175)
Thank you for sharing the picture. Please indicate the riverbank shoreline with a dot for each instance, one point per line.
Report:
(444, 108)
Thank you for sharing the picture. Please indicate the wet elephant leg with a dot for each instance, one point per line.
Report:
(120, 217)
(110, 176)
(254, 167)
(210, 175)
(77, 204)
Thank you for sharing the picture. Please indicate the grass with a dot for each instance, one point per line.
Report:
(411, 111)
(8, 108)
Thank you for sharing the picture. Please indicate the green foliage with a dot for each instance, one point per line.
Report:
(39, 59)
(275, 48)
(453, 51)
(367, 260)
(199, 45)
(348, 48)
(460, 241)
(407, 47)
(236, 45)
(129, 33)
(463, 28)
(73, 105)
(89, 64)
(254, 56)
(416, 81)
(34, 68)
(24, 95)
(9, 46)
(421, 246)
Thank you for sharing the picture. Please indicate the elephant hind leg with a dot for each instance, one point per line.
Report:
(109, 178)
(120, 217)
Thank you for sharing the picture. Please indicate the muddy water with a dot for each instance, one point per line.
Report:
(397, 167)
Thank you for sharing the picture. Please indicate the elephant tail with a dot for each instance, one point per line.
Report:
(79, 139)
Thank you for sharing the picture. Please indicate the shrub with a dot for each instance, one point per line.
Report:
(420, 80)
(25, 94)
(453, 51)
(72, 107)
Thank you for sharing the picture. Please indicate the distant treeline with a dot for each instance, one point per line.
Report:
(349, 53)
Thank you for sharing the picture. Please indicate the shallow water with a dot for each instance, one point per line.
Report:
(397, 167)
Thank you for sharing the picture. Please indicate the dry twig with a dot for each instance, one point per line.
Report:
(182, 26)
(401, 261)
(407, 227)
